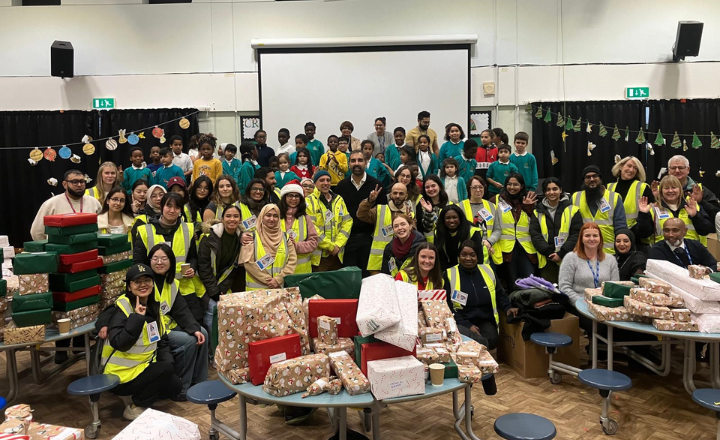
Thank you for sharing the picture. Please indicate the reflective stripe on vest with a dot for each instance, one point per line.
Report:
(273, 270)
(406, 278)
(682, 215)
(245, 214)
(489, 277)
(565, 221)
(467, 209)
(383, 219)
(180, 245)
(226, 273)
(299, 226)
(512, 232)
(168, 295)
(340, 224)
(312, 210)
(631, 201)
(603, 219)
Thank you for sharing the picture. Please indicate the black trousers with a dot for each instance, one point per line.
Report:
(157, 382)
(488, 333)
(357, 251)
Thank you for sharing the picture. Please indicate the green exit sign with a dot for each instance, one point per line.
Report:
(637, 92)
(103, 103)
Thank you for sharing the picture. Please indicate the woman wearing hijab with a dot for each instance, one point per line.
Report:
(630, 261)
(272, 256)
(150, 211)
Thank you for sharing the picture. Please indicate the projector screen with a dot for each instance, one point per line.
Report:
(329, 87)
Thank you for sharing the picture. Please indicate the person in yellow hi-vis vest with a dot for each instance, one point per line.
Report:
(401, 249)
(297, 224)
(382, 216)
(434, 198)
(451, 230)
(513, 250)
(475, 296)
(424, 270)
(272, 255)
(601, 206)
(333, 222)
(108, 177)
(631, 186)
(137, 350)
(679, 167)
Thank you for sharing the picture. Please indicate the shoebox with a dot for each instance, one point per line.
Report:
(115, 267)
(343, 310)
(110, 240)
(66, 297)
(31, 318)
(35, 262)
(74, 286)
(66, 307)
(396, 377)
(14, 334)
(73, 219)
(33, 283)
(115, 249)
(72, 248)
(375, 351)
(67, 259)
(81, 266)
(72, 239)
(264, 353)
(529, 359)
(35, 301)
(34, 246)
(42, 431)
(56, 278)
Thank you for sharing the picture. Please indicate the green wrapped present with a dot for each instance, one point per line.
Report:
(35, 246)
(337, 284)
(616, 290)
(110, 240)
(32, 317)
(63, 278)
(71, 248)
(636, 278)
(74, 286)
(3, 288)
(451, 370)
(359, 341)
(115, 249)
(34, 301)
(72, 305)
(72, 239)
(607, 302)
(71, 230)
(27, 263)
(116, 267)
(715, 276)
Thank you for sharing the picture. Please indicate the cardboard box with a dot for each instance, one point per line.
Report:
(714, 245)
(375, 351)
(396, 377)
(529, 359)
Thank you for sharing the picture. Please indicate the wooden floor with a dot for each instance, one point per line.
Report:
(654, 409)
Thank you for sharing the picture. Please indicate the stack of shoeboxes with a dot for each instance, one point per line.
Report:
(76, 283)
(8, 255)
(32, 302)
(115, 252)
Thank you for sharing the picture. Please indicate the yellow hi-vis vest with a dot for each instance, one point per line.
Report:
(127, 365)
(93, 192)
(382, 235)
(603, 219)
(405, 277)
(299, 227)
(333, 226)
(563, 234)
(223, 276)
(489, 277)
(660, 215)
(631, 201)
(166, 299)
(180, 245)
(511, 232)
(247, 218)
(273, 270)
(489, 206)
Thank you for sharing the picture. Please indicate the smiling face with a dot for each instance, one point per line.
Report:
(357, 164)
(454, 134)
(160, 263)
(292, 199)
(257, 192)
(592, 180)
(346, 131)
(308, 187)
(137, 158)
(398, 194)
(401, 228)
(156, 196)
(671, 194)
(423, 144)
(109, 176)
(622, 243)
(628, 171)
(231, 220)
(343, 145)
(142, 287)
(426, 260)
(271, 219)
(513, 186)
(468, 258)
(399, 138)
(323, 184)
(678, 169)
(552, 192)
(333, 144)
(452, 220)
(432, 189)
(224, 188)
(379, 127)
(674, 231)
(202, 191)
(171, 212)
(117, 202)
(591, 239)
(405, 177)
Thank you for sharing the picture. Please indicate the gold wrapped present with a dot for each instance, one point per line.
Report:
(327, 330)
(636, 307)
(343, 344)
(332, 385)
(295, 375)
(654, 285)
(22, 335)
(33, 283)
(347, 370)
(676, 326)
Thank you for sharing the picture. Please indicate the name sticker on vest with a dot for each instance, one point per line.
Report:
(459, 297)
(153, 333)
(604, 206)
(249, 223)
(392, 265)
(328, 216)
(387, 231)
(504, 206)
(559, 241)
(292, 234)
(164, 308)
(662, 215)
(265, 261)
(341, 213)
(485, 214)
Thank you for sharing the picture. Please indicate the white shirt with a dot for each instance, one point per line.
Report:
(183, 161)
(362, 181)
(681, 245)
(287, 148)
(519, 155)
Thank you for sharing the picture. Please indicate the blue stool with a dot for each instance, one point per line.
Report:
(93, 386)
(551, 342)
(523, 426)
(212, 393)
(710, 399)
(606, 381)
(3, 402)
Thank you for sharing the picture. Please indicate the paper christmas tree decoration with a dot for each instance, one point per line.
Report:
(685, 147)
(569, 124)
(676, 141)
(640, 137)
(561, 120)
(616, 133)
(603, 131)
(627, 133)
(577, 125)
(696, 141)
(714, 142)
(659, 139)
(538, 113)
(548, 116)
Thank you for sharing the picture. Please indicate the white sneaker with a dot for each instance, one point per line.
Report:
(132, 412)
(127, 400)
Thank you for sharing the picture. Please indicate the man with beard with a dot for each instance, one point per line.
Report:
(423, 128)
(382, 216)
(72, 200)
(679, 166)
(354, 189)
(679, 250)
(600, 205)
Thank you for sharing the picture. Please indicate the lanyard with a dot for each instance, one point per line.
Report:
(596, 275)
(71, 205)
(686, 253)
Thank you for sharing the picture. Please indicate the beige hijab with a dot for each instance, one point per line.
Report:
(270, 238)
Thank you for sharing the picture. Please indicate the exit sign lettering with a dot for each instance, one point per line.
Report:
(637, 92)
(103, 103)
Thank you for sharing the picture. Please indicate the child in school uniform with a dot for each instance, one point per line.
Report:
(179, 158)
(249, 156)
(301, 141)
(303, 165)
(155, 163)
(426, 159)
(392, 152)
(407, 156)
(373, 166)
(231, 165)
(168, 171)
(466, 160)
(314, 146)
(454, 142)
(284, 175)
(500, 170)
(455, 186)
(207, 165)
(136, 171)
(334, 161)
(524, 161)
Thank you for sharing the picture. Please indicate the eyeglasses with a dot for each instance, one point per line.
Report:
(293, 196)
(591, 177)
(257, 190)
(76, 182)
(677, 168)
(116, 200)
(203, 188)
(308, 186)
(159, 259)
(143, 280)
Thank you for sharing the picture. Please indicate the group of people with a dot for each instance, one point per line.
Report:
(461, 217)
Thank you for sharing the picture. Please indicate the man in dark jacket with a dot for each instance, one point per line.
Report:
(680, 251)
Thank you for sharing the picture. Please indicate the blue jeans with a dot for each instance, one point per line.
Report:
(208, 317)
(191, 360)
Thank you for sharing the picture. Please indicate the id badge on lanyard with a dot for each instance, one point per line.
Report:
(265, 262)
(153, 332)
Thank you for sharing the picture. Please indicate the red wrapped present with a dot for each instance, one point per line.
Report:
(375, 351)
(72, 219)
(68, 259)
(264, 353)
(80, 266)
(343, 310)
(432, 295)
(66, 297)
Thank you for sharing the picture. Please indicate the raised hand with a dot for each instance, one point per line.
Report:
(643, 205)
(427, 206)
(697, 193)
(691, 207)
(139, 308)
(374, 193)
(654, 186)
(530, 198)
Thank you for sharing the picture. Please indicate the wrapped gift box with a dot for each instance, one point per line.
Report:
(343, 310)
(466, 357)
(422, 323)
(374, 351)
(352, 378)
(262, 354)
(327, 330)
(107, 278)
(74, 286)
(35, 301)
(73, 239)
(114, 258)
(432, 295)
(71, 248)
(442, 353)
(642, 309)
(681, 315)
(14, 429)
(487, 363)
(648, 297)
(81, 266)
(332, 385)
(66, 307)
(154, 424)
(654, 285)
(615, 314)
(427, 355)
(430, 335)
(35, 262)
(21, 335)
(606, 301)
(59, 278)
(469, 374)
(67, 259)
(343, 344)
(697, 272)
(8, 252)
(295, 375)
(676, 326)
(707, 322)
(66, 297)
(71, 230)
(22, 411)
(33, 283)
(4, 241)
(3, 287)
(306, 308)
(404, 333)
(695, 304)
(377, 307)
(436, 313)
(35, 246)
(117, 249)
(42, 431)
(115, 267)
(76, 314)
(109, 285)
(111, 240)
(705, 290)
(73, 219)
(31, 318)
(616, 289)
(396, 377)
(13, 285)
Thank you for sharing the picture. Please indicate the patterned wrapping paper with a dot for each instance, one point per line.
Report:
(676, 300)
(422, 323)
(14, 426)
(295, 375)
(432, 295)
(695, 304)
(602, 313)
(343, 344)
(378, 306)
(648, 297)
(427, 355)
(78, 322)
(472, 346)
(306, 306)
(157, 425)
(104, 302)
(396, 377)
(639, 308)
(239, 375)
(42, 431)
(698, 272)
(620, 283)
(487, 363)
(655, 285)
(681, 315)
(21, 411)
(72, 315)
(21, 335)
(589, 293)
(443, 355)
(113, 292)
(676, 326)
(114, 284)
(106, 278)
(429, 335)
(252, 316)
(466, 357)
(3, 306)
(404, 333)
(327, 330)
(436, 313)
(33, 283)
(707, 322)
(469, 374)
(114, 258)
(13, 285)
(347, 370)
(706, 290)
(332, 385)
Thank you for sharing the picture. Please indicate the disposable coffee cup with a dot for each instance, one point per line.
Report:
(63, 325)
(184, 267)
(437, 374)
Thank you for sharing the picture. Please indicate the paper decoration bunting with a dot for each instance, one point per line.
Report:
(75, 158)
(158, 132)
(676, 141)
(568, 124)
(122, 139)
(591, 147)
(554, 159)
(86, 139)
(717, 173)
(578, 125)
(696, 141)
(32, 162)
(36, 155)
(685, 147)
(627, 134)
(640, 137)
(617, 158)
(564, 135)
(659, 139)
(64, 152)
(602, 130)
(701, 172)
(616, 133)
(52, 181)
(561, 120)
(538, 113)
(50, 154)
(649, 148)
(162, 139)
(714, 142)
(88, 179)
(142, 135)
(133, 139)
(89, 149)
(589, 127)
(184, 123)
(111, 144)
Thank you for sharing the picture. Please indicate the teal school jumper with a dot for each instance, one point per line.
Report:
(164, 174)
(432, 168)
(246, 174)
(527, 166)
(131, 175)
(499, 172)
(232, 168)
(467, 167)
(282, 181)
(461, 189)
(392, 156)
(449, 149)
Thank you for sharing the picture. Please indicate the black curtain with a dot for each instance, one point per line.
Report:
(25, 187)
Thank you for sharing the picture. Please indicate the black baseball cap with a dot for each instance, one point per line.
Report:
(138, 271)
